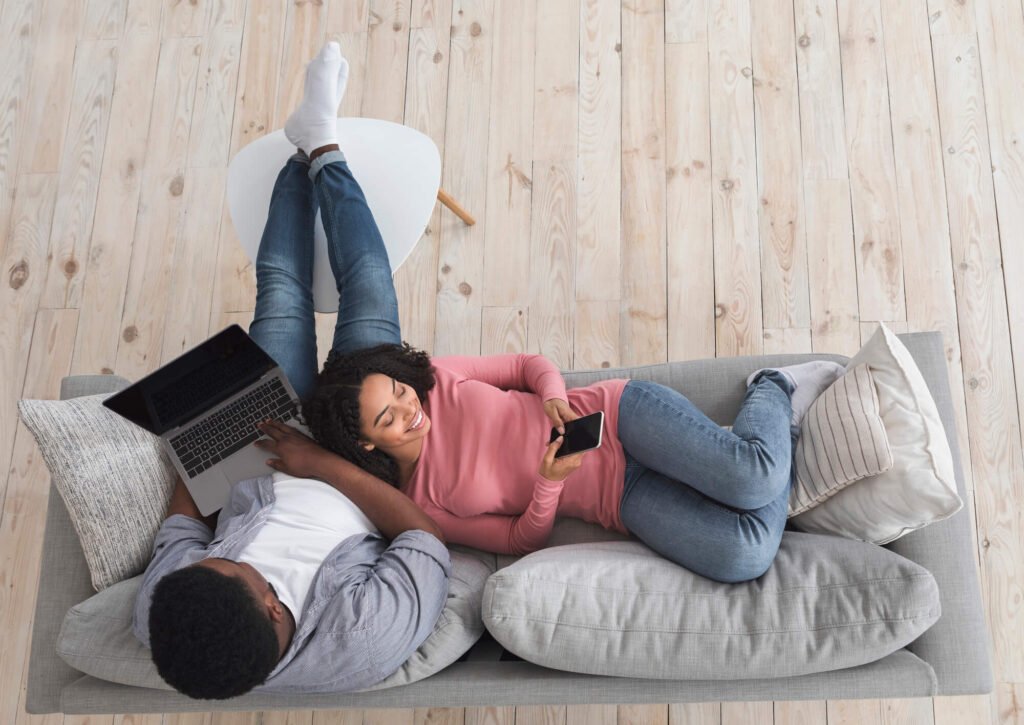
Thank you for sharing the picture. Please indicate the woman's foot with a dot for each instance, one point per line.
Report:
(809, 379)
(313, 125)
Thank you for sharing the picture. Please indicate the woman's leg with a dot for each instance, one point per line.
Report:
(367, 306)
(746, 468)
(283, 321)
(697, 532)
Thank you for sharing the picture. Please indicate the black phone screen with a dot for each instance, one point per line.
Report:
(581, 434)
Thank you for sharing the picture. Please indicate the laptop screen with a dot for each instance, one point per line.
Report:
(193, 383)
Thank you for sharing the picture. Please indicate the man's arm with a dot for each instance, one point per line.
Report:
(390, 510)
(182, 503)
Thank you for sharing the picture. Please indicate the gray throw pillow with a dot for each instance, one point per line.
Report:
(96, 636)
(113, 476)
(619, 609)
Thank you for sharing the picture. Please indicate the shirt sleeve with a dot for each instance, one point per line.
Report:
(519, 535)
(396, 600)
(527, 373)
(179, 536)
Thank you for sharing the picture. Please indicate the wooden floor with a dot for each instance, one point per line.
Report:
(653, 180)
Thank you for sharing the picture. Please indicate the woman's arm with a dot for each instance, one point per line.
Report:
(528, 373)
(298, 455)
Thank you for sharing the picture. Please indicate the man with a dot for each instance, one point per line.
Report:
(294, 587)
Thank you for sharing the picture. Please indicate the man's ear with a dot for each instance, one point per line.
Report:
(275, 610)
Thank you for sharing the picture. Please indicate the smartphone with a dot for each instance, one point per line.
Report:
(582, 434)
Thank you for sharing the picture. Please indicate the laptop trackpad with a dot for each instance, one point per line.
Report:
(249, 462)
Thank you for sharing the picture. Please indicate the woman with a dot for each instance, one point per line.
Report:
(462, 437)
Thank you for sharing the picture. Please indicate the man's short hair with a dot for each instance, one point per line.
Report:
(209, 636)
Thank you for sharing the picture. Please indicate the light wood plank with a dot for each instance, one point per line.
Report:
(503, 330)
(191, 284)
(903, 711)
(303, 37)
(1010, 696)
(24, 507)
(691, 251)
(832, 267)
(644, 315)
(985, 330)
(742, 713)
(185, 718)
(506, 280)
(490, 715)
(46, 111)
(553, 239)
(210, 139)
(19, 27)
(117, 204)
(963, 710)
(643, 715)
(951, 17)
(555, 107)
(734, 188)
(801, 712)
(706, 713)
(686, 21)
(822, 120)
(79, 173)
(787, 340)
(287, 717)
(186, 18)
(338, 717)
(440, 716)
(387, 53)
(596, 336)
(24, 266)
(1000, 24)
(598, 186)
(148, 719)
(784, 295)
(104, 19)
(426, 91)
(256, 93)
(590, 715)
(872, 176)
(143, 16)
(460, 258)
(854, 712)
(541, 715)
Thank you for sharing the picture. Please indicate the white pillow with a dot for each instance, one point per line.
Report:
(920, 488)
(113, 476)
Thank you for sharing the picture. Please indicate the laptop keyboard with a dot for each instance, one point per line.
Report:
(233, 427)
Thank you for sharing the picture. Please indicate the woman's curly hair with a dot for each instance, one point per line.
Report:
(332, 410)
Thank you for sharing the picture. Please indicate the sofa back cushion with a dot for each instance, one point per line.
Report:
(617, 608)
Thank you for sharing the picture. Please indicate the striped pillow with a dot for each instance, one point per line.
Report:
(842, 440)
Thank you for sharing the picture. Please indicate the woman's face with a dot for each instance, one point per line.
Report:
(391, 415)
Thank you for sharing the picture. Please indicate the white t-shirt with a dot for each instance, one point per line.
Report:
(307, 521)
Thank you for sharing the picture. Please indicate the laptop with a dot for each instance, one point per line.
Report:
(204, 407)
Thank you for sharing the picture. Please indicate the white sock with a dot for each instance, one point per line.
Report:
(809, 379)
(314, 123)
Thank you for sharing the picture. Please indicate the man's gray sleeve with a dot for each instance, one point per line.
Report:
(178, 543)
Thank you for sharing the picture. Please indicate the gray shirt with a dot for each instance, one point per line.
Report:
(369, 607)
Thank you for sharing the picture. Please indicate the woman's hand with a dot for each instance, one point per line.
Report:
(559, 412)
(556, 469)
(297, 454)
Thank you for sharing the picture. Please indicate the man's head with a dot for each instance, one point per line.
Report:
(217, 629)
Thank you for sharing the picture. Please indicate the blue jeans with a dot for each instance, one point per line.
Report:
(283, 323)
(711, 500)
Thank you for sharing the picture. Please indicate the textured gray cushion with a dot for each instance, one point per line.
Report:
(96, 636)
(113, 477)
(619, 609)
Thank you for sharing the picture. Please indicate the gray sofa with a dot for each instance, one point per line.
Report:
(950, 658)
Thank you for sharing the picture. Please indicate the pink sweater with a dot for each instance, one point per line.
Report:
(477, 474)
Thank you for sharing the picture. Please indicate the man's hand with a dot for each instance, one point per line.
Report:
(556, 469)
(297, 454)
(559, 412)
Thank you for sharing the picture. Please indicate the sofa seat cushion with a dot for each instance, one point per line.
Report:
(96, 636)
(617, 608)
